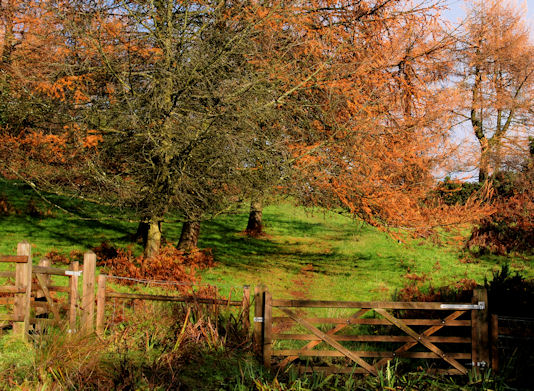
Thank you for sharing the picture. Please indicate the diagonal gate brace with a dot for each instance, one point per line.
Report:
(421, 338)
(330, 341)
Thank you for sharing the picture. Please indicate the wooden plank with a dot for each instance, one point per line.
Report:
(344, 370)
(41, 310)
(328, 339)
(7, 300)
(267, 328)
(426, 333)
(331, 370)
(494, 342)
(51, 303)
(397, 305)
(14, 258)
(49, 270)
(480, 329)
(313, 344)
(366, 353)
(51, 288)
(377, 322)
(101, 304)
(369, 338)
(11, 317)
(7, 274)
(18, 309)
(12, 289)
(88, 293)
(24, 279)
(245, 309)
(181, 299)
(257, 337)
(421, 339)
(34, 320)
(73, 295)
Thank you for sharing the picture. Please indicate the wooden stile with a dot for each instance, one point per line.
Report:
(88, 292)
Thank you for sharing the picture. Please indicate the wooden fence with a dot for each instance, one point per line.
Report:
(104, 294)
(457, 338)
(456, 335)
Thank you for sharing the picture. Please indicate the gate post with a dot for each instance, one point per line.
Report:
(258, 319)
(40, 298)
(480, 330)
(23, 280)
(73, 295)
(101, 304)
(267, 329)
(88, 293)
(245, 309)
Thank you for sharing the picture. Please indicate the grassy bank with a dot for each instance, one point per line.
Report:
(307, 252)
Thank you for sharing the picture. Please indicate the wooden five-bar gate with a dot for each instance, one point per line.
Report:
(454, 335)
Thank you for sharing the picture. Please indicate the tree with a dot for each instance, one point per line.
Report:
(496, 61)
(176, 102)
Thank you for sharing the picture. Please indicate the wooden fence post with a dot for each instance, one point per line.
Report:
(23, 280)
(41, 312)
(245, 309)
(101, 304)
(258, 319)
(494, 342)
(267, 329)
(73, 295)
(480, 355)
(88, 292)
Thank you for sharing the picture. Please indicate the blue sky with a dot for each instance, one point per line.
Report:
(457, 11)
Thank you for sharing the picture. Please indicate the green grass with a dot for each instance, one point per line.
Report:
(308, 253)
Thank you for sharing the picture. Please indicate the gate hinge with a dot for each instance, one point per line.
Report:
(480, 306)
(258, 319)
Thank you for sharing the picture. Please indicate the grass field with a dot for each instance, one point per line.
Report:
(308, 253)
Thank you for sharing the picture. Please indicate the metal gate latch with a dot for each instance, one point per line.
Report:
(258, 319)
(480, 306)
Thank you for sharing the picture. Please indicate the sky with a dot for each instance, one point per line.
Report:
(463, 133)
(456, 11)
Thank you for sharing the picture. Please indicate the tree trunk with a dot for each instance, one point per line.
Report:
(153, 238)
(255, 219)
(483, 167)
(189, 237)
(141, 235)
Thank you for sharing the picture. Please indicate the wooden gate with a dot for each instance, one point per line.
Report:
(33, 300)
(453, 335)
